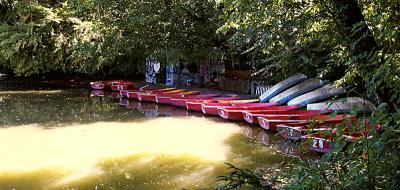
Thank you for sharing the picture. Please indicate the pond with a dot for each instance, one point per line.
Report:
(65, 139)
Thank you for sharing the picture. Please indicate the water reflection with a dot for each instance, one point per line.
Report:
(68, 140)
(157, 110)
(58, 108)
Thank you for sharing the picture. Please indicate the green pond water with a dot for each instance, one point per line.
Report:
(66, 139)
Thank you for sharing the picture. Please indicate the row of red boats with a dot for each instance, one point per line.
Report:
(317, 127)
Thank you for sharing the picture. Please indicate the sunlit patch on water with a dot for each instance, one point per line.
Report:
(80, 148)
(66, 140)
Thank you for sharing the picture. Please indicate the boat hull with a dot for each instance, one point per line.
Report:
(237, 113)
(117, 87)
(318, 144)
(212, 108)
(295, 132)
(195, 105)
(147, 98)
(163, 99)
(271, 124)
(252, 115)
(181, 102)
(299, 89)
(281, 86)
(103, 85)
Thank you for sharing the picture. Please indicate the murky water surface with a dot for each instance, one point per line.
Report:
(65, 139)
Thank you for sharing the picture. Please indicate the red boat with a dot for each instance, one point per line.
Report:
(102, 85)
(251, 115)
(161, 99)
(195, 105)
(295, 131)
(135, 93)
(166, 99)
(181, 102)
(212, 108)
(151, 96)
(125, 85)
(271, 123)
(318, 143)
(322, 141)
(233, 113)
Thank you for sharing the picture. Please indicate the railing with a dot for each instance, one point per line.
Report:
(258, 88)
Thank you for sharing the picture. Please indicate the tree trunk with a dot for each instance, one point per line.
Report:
(350, 14)
(362, 41)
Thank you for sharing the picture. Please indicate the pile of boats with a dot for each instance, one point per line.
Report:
(279, 109)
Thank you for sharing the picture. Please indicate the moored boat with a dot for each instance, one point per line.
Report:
(103, 85)
(319, 94)
(318, 143)
(134, 94)
(299, 89)
(124, 85)
(212, 108)
(271, 124)
(168, 95)
(322, 141)
(345, 105)
(236, 113)
(151, 96)
(181, 102)
(195, 105)
(251, 115)
(166, 98)
(294, 131)
(281, 86)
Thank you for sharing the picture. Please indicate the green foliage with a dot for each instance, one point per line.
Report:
(88, 36)
(275, 37)
(244, 178)
(367, 163)
(284, 37)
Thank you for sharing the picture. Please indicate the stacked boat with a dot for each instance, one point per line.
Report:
(292, 108)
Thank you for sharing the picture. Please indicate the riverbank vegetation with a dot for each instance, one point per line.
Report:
(354, 43)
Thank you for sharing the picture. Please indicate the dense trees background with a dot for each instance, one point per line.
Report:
(88, 36)
(352, 42)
